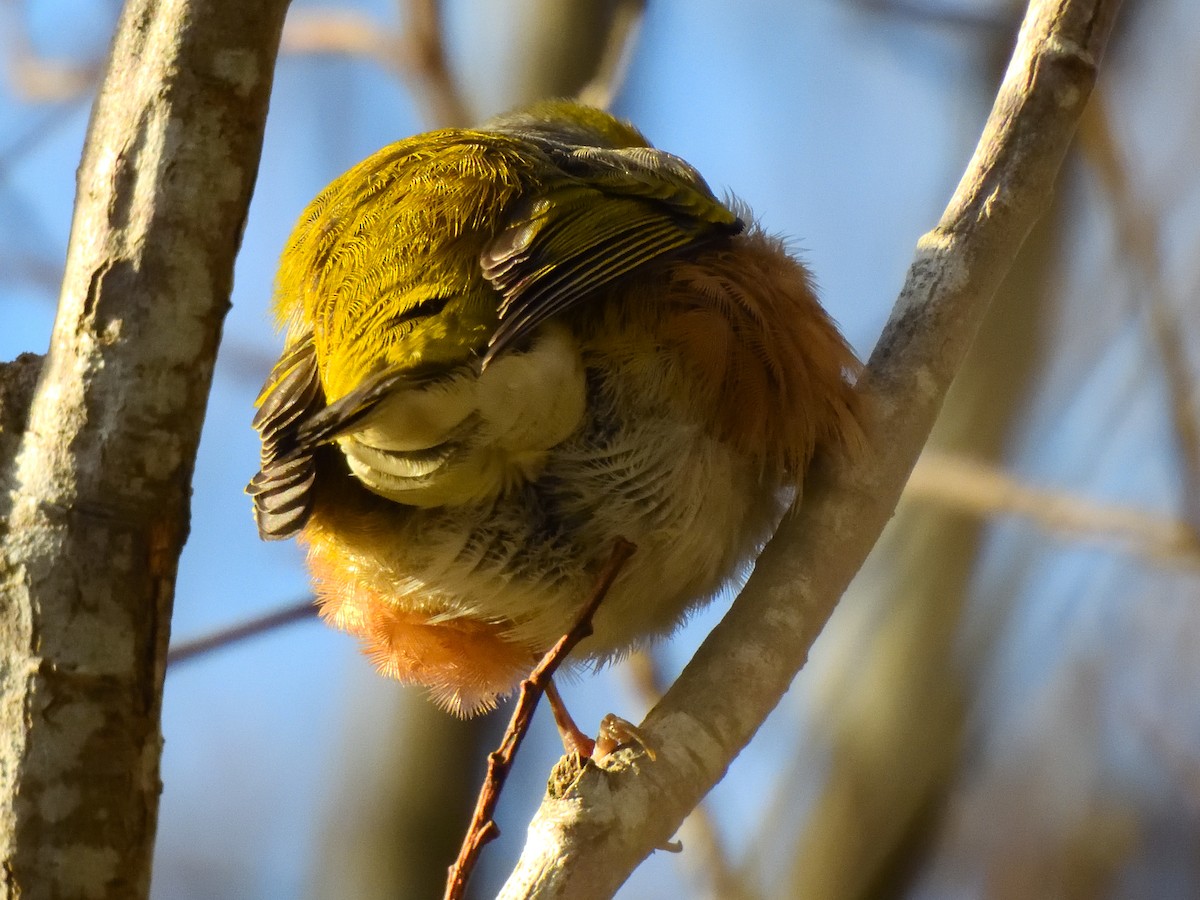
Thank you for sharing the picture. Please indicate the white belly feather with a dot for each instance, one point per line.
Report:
(469, 438)
(518, 482)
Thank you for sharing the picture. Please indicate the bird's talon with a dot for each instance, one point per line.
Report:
(616, 732)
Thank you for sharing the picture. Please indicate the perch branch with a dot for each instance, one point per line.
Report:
(585, 841)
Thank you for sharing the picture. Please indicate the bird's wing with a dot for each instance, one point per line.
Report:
(291, 397)
(611, 211)
(295, 418)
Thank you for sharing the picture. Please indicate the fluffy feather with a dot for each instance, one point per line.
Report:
(508, 348)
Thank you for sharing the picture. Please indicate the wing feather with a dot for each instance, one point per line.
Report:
(613, 210)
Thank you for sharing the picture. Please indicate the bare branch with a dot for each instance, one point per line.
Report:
(38, 79)
(35, 78)
(585, 840)
(984, 490)
(483, 828)
(417, 55)
(185, 651)
(427, 68)
(614, 60)
(94, 510)
(343, 32)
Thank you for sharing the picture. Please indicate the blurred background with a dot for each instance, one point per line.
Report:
(1007, 701)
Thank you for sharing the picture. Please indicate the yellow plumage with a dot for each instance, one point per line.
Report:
(509, 347)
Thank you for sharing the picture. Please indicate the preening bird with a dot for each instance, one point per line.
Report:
(508, 347)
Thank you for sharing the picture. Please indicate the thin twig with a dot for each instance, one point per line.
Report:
(949, 15)
(343, 32)
(38, 79)
(984, 490)
(233, 634)
(483, 828)
(35, 78)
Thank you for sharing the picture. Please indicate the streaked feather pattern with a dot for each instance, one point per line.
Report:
(506, 348)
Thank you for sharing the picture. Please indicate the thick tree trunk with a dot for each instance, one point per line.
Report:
(94, 506)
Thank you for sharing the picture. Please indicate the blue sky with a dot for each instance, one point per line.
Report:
(844, 129)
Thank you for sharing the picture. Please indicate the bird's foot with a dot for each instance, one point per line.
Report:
(617, 732)
(614, 732)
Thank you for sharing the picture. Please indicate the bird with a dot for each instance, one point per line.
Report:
(511, 346)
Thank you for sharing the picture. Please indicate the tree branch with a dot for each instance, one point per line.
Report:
(585, 840)
(416, 53)
(483, 827)
(95, 502)
(186, 651)
(983, 490)
(1139, 241)
(613, 64)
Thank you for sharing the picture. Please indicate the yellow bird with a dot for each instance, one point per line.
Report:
(509, 347)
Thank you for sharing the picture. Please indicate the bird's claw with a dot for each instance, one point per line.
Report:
(616, 732)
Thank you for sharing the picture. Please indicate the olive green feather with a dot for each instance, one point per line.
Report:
(447, 249)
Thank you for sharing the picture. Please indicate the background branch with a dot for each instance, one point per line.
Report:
(585, 841)
(300, 611)
(415, 51)
(1139, 242)
(987, 491)
(616, 56)
(95, 507)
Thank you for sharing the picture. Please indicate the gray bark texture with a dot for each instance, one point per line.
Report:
(96, 464)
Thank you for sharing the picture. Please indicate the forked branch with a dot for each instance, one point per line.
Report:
(584, 842)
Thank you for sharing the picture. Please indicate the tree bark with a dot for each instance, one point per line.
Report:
(94, 507)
